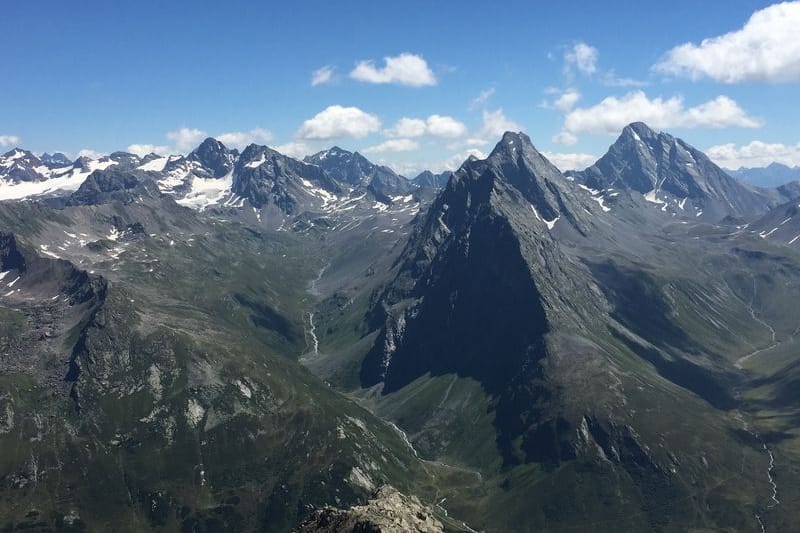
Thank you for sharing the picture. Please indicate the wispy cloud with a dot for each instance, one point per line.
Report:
(568, 161)
(322, 76)
(481, 99)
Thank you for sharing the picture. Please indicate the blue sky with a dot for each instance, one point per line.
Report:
(100, 76)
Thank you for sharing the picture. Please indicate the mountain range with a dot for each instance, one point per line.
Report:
(229, 341)
(773, 175)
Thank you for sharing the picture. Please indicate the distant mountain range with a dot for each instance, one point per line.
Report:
(773, 175)
(238, 340)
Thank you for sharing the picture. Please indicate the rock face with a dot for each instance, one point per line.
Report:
(114, 185)
(214, 156)
(388, 511)
(427, 178)
(673, 174)
(21, 165)
(455, 307)
(266, 177)
(356, 170)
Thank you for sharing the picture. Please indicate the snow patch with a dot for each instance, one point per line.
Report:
(206, 192)
(194, 412)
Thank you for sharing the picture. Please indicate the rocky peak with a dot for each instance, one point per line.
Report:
(354, 169)
(669, 172)
(55, 160)
(114, 185)
(213, 156)
(20, 165)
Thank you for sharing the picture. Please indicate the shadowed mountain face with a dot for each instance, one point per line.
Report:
(453, 306)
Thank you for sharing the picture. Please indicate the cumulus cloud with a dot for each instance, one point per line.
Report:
(444, 126)
(456, 160)
(562, 100)
(566, 161)
(765, 49)
(186, 139)
(91, 154)
(393, 145)
(441, 126)
(240, 139)
(322, 76)
(581, 57)
(481, 99)
(405, 69)
(407, 127)
(564, 137)
(754, 154)
(612, 114)
(143, 149)
(494, 125)
(296, 149)
(9, 140)
(337, 121)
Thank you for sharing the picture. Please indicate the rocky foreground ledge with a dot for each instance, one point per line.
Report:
(388, 511)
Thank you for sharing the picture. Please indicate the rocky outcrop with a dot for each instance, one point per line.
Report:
(389, 511)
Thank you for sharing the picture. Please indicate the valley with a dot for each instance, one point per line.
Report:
(227, 340)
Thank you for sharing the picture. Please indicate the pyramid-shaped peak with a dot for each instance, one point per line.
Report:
(210, 144)
(641, 129)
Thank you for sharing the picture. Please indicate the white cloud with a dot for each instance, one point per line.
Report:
(336, 121)
(754, 154)
(186, 139)
(766, 49)
(296, 149)
(407, 127)
(481, 99)
(322, 76)
(441, 126)
(240, 139)
(565, 101)
(405, 69)
(581, 57)
(9, 140)
(565, 161)
(611, 79)
(444, 126)
(564, 137)
(456, 160)
(393, 145)
(91, 154)
(495, 124)
(143, 149)
(612, 114)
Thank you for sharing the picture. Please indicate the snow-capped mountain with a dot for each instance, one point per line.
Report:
(674, 176)
(23, 174)
(355, 170)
